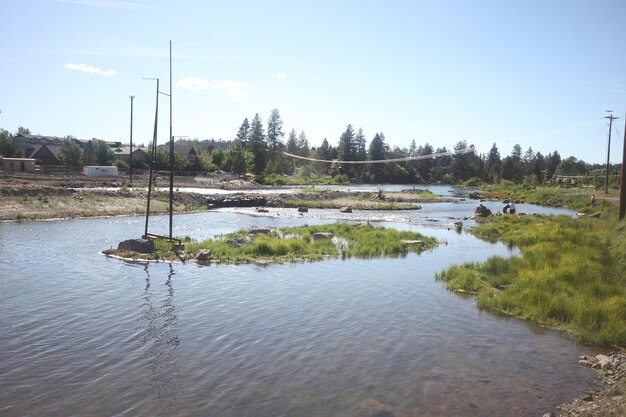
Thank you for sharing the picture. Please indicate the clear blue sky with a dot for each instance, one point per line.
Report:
(538, 73)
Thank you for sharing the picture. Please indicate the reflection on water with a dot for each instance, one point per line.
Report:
(160, 340)
(84, 335)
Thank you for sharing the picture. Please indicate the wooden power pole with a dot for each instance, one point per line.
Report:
(608, 152)
(622, 192)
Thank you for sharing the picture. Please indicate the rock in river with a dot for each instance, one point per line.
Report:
(137, 245)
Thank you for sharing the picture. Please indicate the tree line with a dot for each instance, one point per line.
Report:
(258, 149)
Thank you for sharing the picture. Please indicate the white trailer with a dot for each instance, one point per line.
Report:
(100, 171)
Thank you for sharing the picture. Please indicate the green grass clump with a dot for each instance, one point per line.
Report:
(297, 243)
(571, 275)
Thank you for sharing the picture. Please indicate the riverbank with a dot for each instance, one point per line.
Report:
(55, 199)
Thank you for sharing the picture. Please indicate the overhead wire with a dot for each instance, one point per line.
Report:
(471, 149)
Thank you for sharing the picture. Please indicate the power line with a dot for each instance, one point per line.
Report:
(471, 149)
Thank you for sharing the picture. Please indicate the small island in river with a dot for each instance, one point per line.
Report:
(288, 244)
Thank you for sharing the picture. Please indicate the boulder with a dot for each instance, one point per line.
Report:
(303, 209)
(372, 408)
(475, 195)
(137, 245)
(322, 236)
(604, 361)
(346, 209)
(203, 255)
(238, 241)
(262, 210)
(259, 231)
(482, 211)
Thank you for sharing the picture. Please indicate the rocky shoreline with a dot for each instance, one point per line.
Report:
(607, 400)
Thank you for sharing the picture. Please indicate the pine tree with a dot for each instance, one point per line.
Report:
(292, 142)
(377, 152)
(303, 144)
(258, 145)
(274, 133)
(244, 132)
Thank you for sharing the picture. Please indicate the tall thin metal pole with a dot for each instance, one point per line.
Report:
(608, 152)
(622, 192)
(154, 146)
(171, 150)
(130, 155)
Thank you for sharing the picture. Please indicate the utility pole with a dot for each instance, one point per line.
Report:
(130, 155)
(608, 152)
(622, 192)
(171, 150)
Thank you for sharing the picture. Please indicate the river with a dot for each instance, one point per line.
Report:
(86, 335)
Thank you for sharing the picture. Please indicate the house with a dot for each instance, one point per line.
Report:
(122, 153)
(185, 151)
(45, 154)
(17, 164)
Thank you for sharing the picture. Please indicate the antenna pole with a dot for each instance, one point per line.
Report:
(130, 155)
(171, 150)
(152, 161)
(608, 152)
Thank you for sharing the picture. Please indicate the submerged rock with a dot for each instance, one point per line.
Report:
(372, 408)
(137, 245)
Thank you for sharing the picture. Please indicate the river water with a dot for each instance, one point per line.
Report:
(85, 335)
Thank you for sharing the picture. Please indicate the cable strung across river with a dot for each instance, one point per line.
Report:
(386, 161)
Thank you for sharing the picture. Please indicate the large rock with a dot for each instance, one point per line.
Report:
(303, 210)
(137, 245)
(259, 231)
(482, 211)
(346, 209)
(203, 255)
(238, 241)
(372, 408)
(322, 236)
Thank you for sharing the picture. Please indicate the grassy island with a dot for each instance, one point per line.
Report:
(289, 244)
(571, 274)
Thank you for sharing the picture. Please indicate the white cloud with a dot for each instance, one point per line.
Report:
(281, 75)
(193, 83)
(90, 70)
(237, 90)
(107, 3)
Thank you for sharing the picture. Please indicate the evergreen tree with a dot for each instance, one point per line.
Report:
(377, 152)
(360, 145)
(303, 144)
(493, 166)
(347, 149)
(292, 142)
(324, 151)
(274, 134)
(552, 161)
(235, 158)
(258, 145)
(244, 132)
